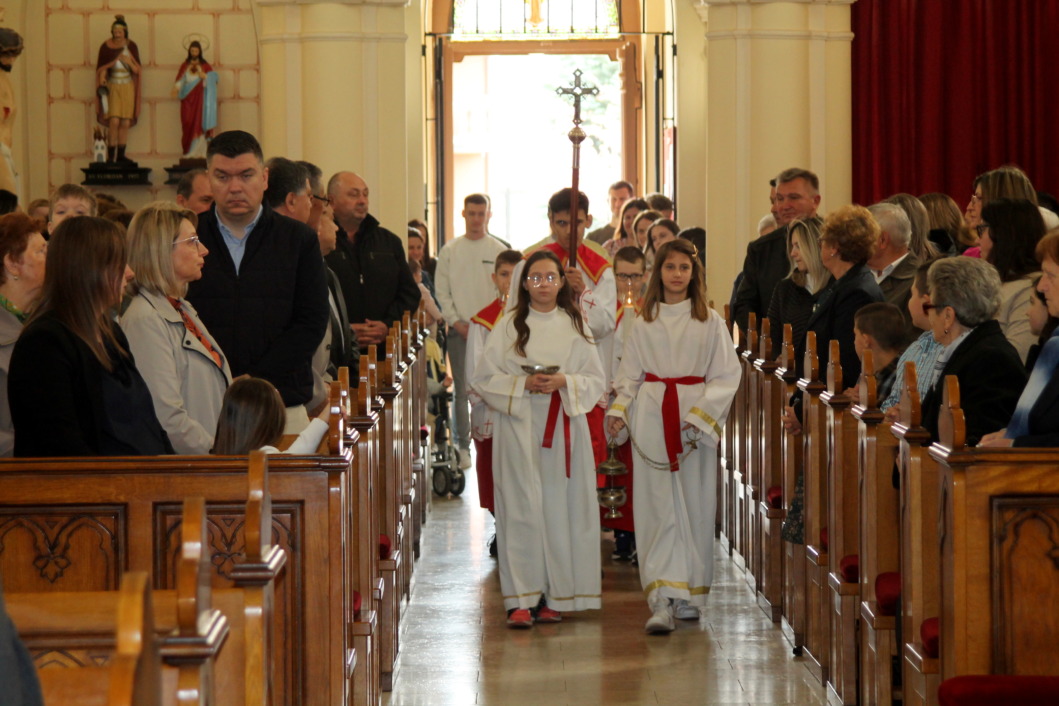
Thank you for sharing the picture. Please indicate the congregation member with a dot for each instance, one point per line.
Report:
(18, 673)
(879, 328)
(182, 364)
(923, 351)
(919, 244)
(658, 233)
(964, 297)
(73, 385)
(417, 253)
(1035, 421)
(797, 197)
(544, 485)
(661, 203)
(429, 263)
(1042, 323)
(1009, 232)
(253, 417)
(38, 209)
(317, 194)
(618, 193)
(640, 225)
(481, 417)
(24, 253)
(678, 376)
(263, 291)
(623, 235)
(697, 236)
(289, 193)
(892, 263)
(794, 296)
(948, 232)
(370, 263)
(70, 200)
(193, 191)
(465, 285)
(1007, 182)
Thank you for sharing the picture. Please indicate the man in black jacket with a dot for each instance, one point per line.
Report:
(766, 263)
(263, 292)
(370, 263)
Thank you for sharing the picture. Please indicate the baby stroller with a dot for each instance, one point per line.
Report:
(445, 463)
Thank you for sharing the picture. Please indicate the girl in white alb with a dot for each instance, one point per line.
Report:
(543, 470)
(677, 378)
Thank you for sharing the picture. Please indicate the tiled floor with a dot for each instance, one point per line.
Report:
(456, 648)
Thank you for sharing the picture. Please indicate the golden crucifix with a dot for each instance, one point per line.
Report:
(577, 136)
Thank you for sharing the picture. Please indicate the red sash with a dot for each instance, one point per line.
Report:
(549, 427)
(671, 413)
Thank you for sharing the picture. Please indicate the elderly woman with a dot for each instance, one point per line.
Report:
(184, 367)
(1009, 231)
(23, 250)
(1036, 418)
(793, 299)
(964, 296)
(74, 388)
(847, 241)
(623, 235)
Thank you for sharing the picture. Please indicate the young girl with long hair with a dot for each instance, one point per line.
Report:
(677, 379)
(253, 417)
(543, 469)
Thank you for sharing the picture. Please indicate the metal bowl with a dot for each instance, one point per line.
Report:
(540, 369)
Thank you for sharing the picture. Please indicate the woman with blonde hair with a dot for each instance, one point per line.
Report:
(678, 376)
(183, 365)
(74, 388)
(794, 297)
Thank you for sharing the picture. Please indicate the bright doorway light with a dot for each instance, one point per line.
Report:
(509, 137)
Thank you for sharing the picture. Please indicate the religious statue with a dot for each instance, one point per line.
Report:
(10, 48)
(118, 93)
(196, 86)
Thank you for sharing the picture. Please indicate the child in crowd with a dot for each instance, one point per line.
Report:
(433, 312)
(481, 417)
(544, 487)
(678, 377)
(253, 417)
(1042, 324)
(880, 328)
(923, 351)
(70, 200)
(630, 265)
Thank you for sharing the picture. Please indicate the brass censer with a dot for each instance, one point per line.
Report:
(612, 496)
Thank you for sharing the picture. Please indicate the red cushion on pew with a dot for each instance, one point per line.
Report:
(849, 568)
(887, 592)
(424, 432)
(823, 539)
(775, 497)
(997, 690)
(928, 632)
(356, 601)
(385, 546)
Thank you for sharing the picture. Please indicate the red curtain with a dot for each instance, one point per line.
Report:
(944, 90)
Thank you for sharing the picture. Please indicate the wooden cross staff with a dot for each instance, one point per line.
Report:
(577, 136)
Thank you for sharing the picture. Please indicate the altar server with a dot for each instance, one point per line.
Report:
(544, 484)
(675, 385)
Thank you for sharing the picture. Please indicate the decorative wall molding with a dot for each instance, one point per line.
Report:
(295, 38)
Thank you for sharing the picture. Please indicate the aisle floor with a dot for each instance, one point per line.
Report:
(456, 648)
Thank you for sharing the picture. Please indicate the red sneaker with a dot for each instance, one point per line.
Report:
(520, 618)
(547, 615)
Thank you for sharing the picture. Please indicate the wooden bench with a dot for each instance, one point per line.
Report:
(770, 512)
(750, 418)
(843, 523)
(726, 462)
(999, 560)
(133, 676)
(793, 459)
(815, 449)
(878, 539)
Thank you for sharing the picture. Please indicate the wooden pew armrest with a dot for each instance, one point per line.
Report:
(869, 613)
(365, 622)
(916, 656)
(380, 589)
(841, 587)
(245, 574)
(179, 649)
(817, 555)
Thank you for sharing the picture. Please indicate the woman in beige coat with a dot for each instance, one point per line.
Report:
(184, 367)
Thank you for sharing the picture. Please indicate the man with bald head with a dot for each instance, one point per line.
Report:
(370, 262)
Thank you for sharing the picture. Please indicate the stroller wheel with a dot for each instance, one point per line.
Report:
(459, 482)
(441, 481)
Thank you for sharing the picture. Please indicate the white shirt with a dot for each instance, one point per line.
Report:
(463, 279)
(885, 272)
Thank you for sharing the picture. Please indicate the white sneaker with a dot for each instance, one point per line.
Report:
(683, 610)
(661, 622)
(465, 459)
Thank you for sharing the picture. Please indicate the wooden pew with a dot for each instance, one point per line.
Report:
(843, 513)
(999, 562)
(726, 461)
(815, 449)
(879, 541)
(737, 523)
(751, 464)
(134, 675)
(76, 524)
(61, 628)
(420, 448)
(919, 546)
(770, 512)
(793, 458)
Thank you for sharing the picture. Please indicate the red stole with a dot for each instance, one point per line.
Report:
(549, 428)
(592, 263)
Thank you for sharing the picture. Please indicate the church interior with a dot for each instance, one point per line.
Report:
(711, 100)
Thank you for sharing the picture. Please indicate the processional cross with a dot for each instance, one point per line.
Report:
(577, 136)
